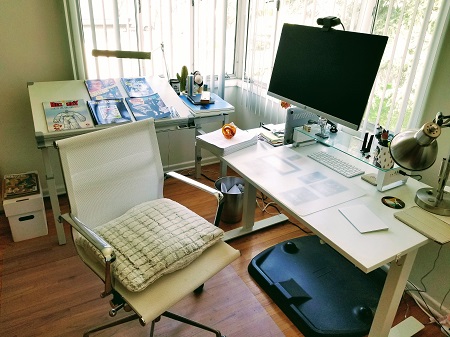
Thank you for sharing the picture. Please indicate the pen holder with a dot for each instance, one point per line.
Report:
(382, 157)
(190, 85)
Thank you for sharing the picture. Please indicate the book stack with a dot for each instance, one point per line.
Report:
(19, 185)
(217, 144)
(271, 138)
(219, 106)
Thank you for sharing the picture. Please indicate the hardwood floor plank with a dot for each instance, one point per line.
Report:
(82, 288)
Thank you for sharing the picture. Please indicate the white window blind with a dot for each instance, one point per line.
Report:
(193, 33)
(411, 26)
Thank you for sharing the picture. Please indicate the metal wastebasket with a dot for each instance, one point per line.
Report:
(233, 202)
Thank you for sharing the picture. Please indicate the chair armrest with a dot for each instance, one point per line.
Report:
(205, 188)
(99, 243)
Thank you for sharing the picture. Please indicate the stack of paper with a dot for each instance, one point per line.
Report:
(216, 143)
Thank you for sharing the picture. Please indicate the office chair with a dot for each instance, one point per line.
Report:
(149, 251)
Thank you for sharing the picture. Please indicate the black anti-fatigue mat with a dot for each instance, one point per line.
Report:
(320, 291)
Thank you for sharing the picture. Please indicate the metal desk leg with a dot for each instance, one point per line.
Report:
(391, 295)
(51, 185)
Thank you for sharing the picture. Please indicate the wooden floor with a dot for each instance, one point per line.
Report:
(249, 245)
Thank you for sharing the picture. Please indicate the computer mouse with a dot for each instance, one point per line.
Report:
(290, 247)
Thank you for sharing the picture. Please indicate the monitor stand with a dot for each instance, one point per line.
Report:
(319, 290)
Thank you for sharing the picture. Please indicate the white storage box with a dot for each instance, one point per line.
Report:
(26, 216)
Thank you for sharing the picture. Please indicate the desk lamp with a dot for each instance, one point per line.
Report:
(122, 54)
(416, 151)
(131, 55)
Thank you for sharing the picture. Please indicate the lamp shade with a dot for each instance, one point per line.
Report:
(416, 150)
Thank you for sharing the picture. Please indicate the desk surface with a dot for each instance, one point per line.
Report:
(65, 90)
(281, 173)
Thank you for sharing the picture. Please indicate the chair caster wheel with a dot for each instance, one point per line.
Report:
(199, 290)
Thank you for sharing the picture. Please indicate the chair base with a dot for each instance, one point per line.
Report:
(166, 314)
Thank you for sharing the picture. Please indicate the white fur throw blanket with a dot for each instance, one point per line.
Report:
(153, 239)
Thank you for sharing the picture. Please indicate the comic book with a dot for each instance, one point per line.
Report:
(19, 185)
(67, 115)
(148, 107)
(103, 89)
(136, 87)
(109, 111)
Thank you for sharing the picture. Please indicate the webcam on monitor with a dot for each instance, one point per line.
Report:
(328, 22)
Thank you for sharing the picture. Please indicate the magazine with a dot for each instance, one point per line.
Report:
(148, 107)
(19, 185)
(103, 89)
(67, 115)
(109, 111)
(136, 87)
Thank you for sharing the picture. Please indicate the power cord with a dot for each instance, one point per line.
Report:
(427, 311)
(418, 177)
(263, 199)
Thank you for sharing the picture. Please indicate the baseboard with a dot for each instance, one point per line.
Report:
(435, 306)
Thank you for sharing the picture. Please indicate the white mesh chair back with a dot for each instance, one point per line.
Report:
(111, 170)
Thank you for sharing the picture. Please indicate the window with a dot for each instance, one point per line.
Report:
(410, 25)
(191, 33)
(176, 32)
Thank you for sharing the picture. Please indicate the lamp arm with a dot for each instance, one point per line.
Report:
(443, 177)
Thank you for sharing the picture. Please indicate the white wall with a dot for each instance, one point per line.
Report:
(438, 281)
(34, 48)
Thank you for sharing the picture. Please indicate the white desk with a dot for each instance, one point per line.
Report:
(397, 246)
(65, 90)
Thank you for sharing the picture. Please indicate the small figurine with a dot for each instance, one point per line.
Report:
(198, 82)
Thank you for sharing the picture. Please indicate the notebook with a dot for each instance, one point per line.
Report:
(196, 99)
(426, 223)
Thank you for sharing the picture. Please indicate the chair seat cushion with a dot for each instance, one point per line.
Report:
(153, 239)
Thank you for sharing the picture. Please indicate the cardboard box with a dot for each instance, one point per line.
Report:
(26, 216)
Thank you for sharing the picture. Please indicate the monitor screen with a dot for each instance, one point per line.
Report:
(329, 73)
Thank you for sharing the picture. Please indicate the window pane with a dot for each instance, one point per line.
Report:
(230, 36)
(190, 36)
(406, 24)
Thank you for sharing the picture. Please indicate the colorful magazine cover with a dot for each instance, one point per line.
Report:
(148, 107)
(109, 111)
(18, 185)
(67, 115)
(103, 89)
(136, 87)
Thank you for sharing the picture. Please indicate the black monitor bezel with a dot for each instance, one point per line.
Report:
(318, 52)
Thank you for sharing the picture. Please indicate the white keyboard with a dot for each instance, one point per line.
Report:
(336, 164)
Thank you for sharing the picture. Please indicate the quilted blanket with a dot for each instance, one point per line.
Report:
(154, 239)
